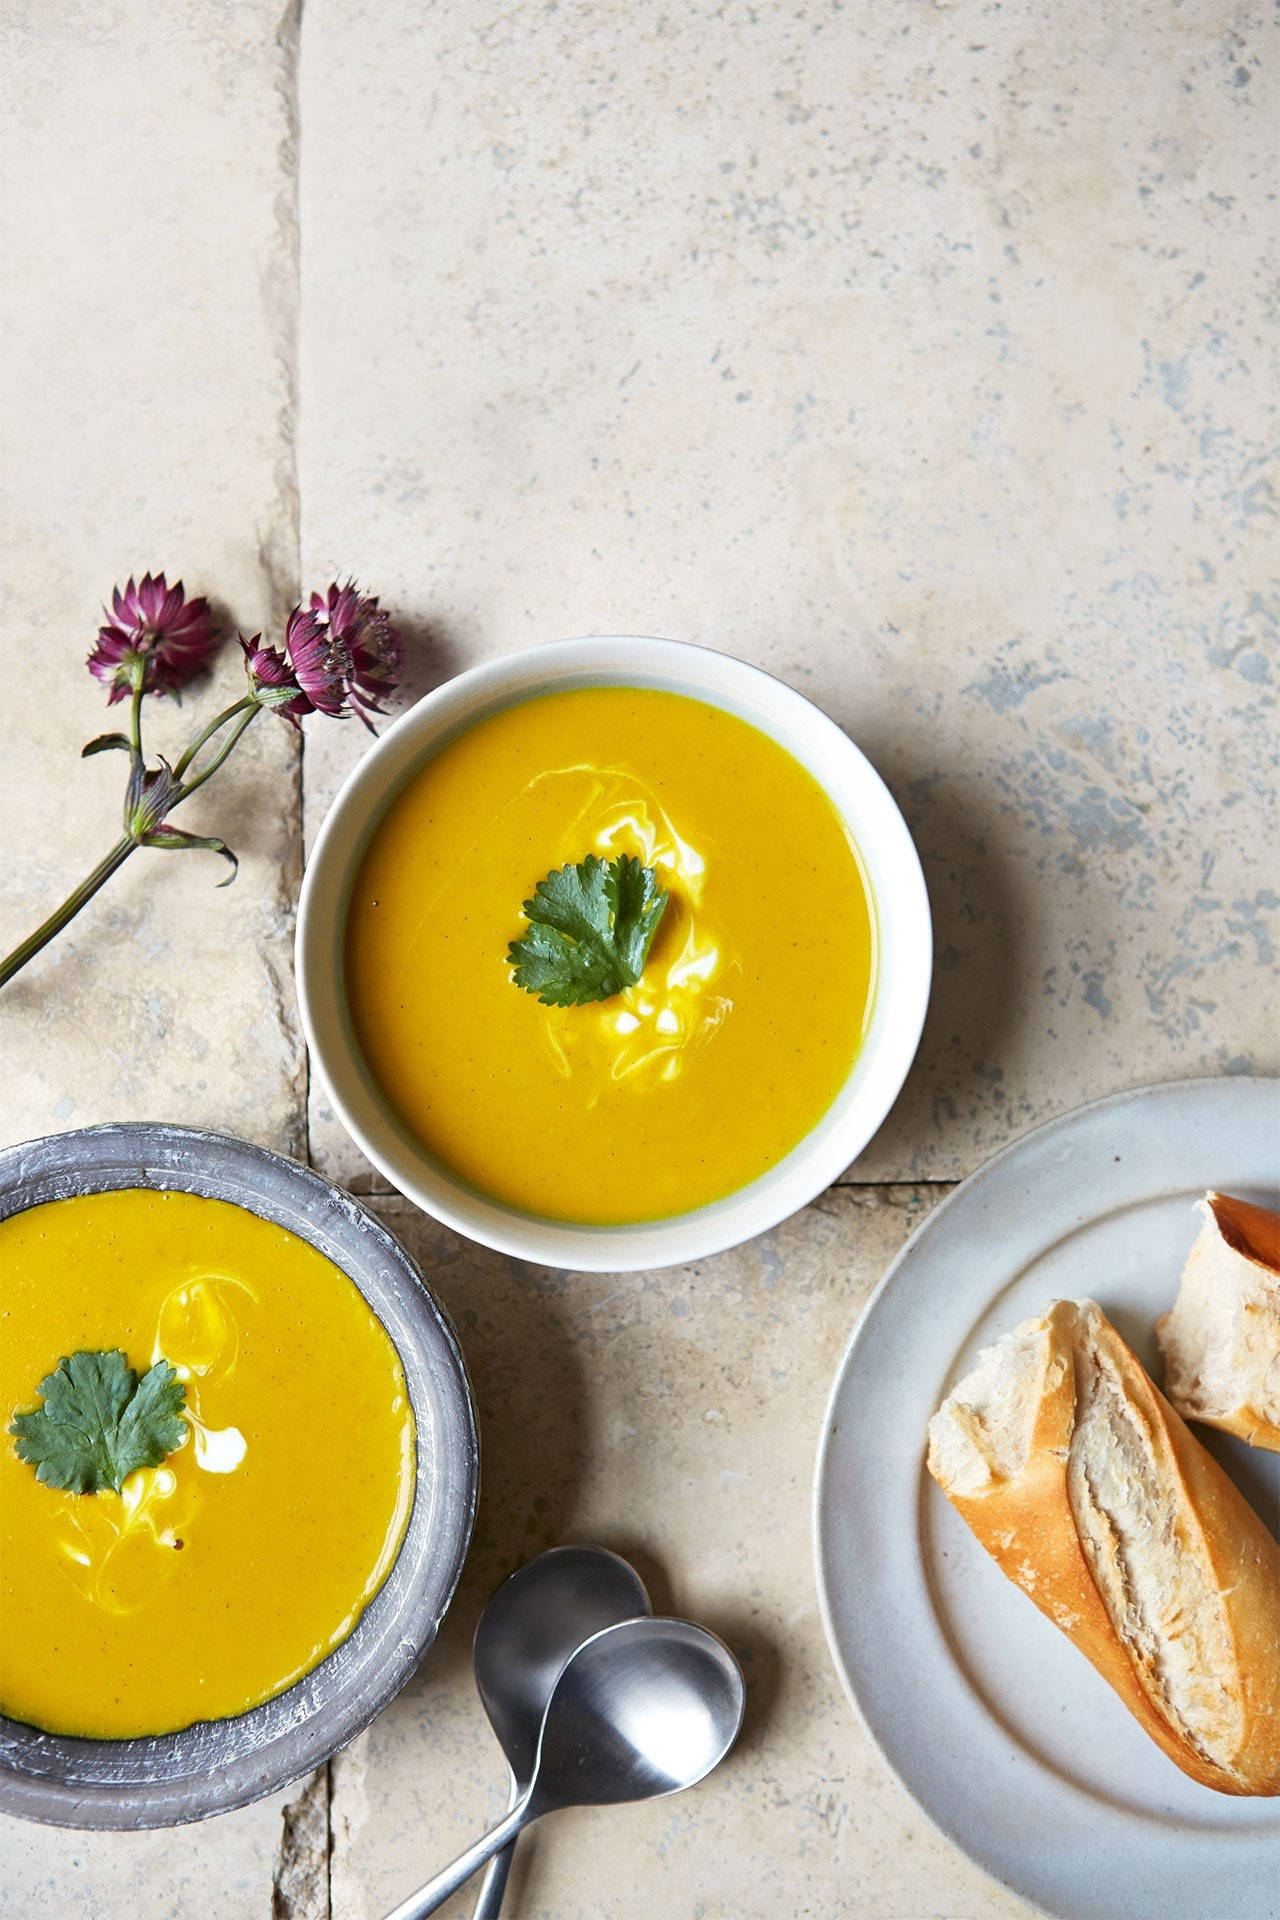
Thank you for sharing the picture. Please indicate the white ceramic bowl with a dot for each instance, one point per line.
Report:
(899, 900)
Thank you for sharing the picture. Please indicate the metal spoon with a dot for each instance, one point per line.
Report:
(534, 1622)
(641, 1709)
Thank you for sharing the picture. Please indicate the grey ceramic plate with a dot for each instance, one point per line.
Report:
(1003, 1732)
(219, 1764)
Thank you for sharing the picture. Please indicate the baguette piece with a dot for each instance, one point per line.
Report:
(1089, 1491)
(1221, 1341)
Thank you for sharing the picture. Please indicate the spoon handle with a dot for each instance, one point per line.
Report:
(437, 1891)
(493, 1887)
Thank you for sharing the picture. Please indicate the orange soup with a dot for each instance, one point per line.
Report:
(215, 1579)
(752, 1004)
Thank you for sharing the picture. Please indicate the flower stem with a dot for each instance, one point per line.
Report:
(221, 719)
(135, 721)
(243, 713)
(68, 910)
(245, 720)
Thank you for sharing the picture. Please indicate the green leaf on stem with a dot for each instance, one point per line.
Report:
(107, 743)
(169, 839)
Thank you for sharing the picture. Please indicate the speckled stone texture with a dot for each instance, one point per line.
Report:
(674, 1417)
(148, 305)
(149, 314)
(917, 352)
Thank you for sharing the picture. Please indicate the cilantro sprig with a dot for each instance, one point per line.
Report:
(590, 930)
(99, 1421)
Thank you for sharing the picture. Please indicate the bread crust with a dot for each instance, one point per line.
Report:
(1253, 1234)
(1252, 1231)
(1027, 1523)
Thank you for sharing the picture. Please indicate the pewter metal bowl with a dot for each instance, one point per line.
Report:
(219, 1764)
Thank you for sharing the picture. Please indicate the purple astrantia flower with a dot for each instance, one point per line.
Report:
(319, 661)
(345, 651)
(341, 653)
(155, 639)
(272, 681)
(372, 644)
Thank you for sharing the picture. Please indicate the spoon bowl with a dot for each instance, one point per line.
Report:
(535, 1622)
(643, 1709)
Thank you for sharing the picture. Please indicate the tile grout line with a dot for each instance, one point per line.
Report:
(289, 43)
(302, 1882)
(328, 1840)
(292, 26)
(836, 1186)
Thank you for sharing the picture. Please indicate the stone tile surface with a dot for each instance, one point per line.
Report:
(673, 1416)
(222, 1870)
(915, 353)
(148, 313)
(149, 316)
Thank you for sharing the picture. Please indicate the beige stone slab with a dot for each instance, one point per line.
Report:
(916, 353)
(219, 1871)
(149, 314)
(674, 1417)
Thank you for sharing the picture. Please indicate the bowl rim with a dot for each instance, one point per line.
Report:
(215, 1766)
(896, 887)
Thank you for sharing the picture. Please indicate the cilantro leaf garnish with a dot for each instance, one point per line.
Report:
(99, 1421)
(590, 930)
